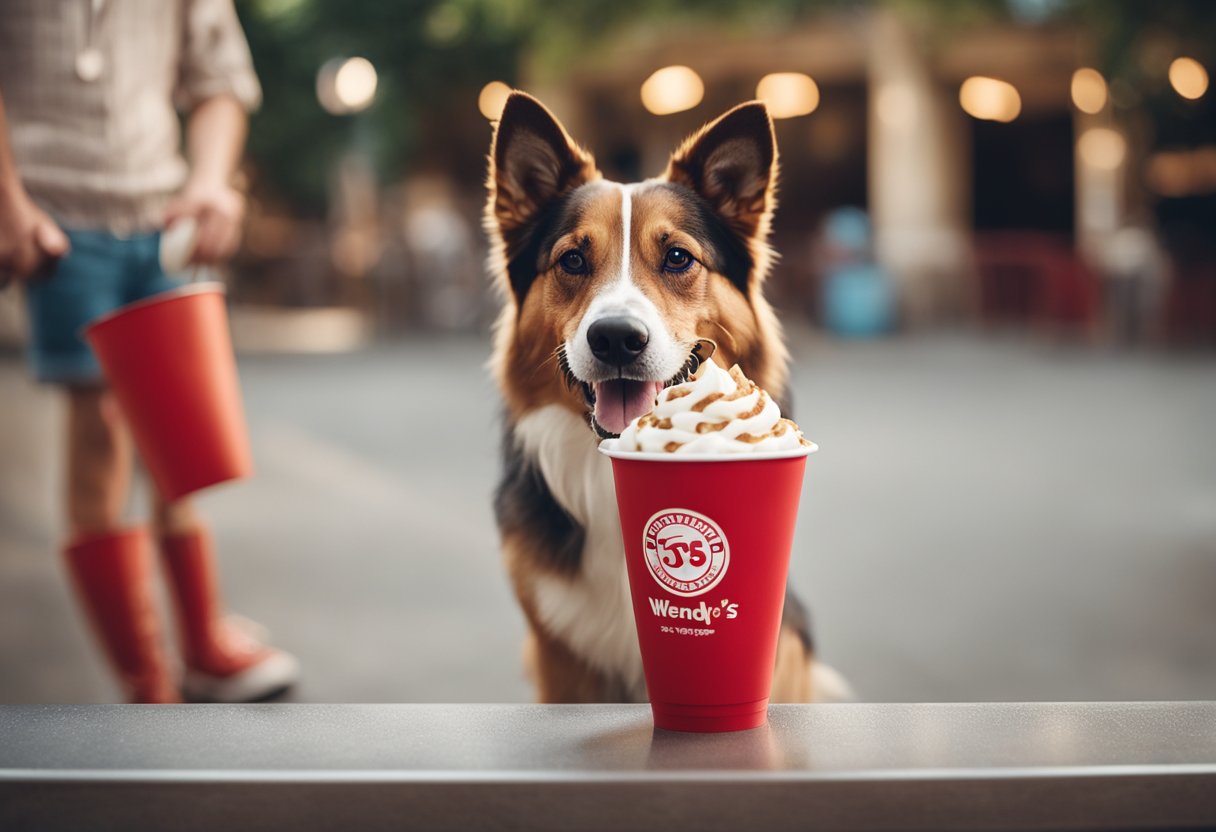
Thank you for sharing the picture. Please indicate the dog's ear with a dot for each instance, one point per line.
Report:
(533, 161)
(732, 163)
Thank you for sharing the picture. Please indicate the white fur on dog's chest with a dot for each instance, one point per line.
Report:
(592, 610)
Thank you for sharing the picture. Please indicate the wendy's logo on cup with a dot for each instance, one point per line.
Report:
(686, 552)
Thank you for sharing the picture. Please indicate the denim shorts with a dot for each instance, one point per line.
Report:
(101, 273)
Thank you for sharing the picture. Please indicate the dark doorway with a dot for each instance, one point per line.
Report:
(823, 168)
(1024, 174)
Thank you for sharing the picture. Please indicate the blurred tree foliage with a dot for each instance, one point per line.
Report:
(433, 56)
(428, 54)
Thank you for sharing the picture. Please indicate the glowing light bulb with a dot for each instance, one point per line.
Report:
(1089, 90)
(1188, 78)
(788, 94)
(672, 89)
(347, 86)
(356, 83)
(990, 99)
(492, 99)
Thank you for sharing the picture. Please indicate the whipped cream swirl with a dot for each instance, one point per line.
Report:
(714, 412)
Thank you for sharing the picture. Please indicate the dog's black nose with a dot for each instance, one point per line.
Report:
(617, 341)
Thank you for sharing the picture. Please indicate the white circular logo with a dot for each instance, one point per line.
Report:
(686, 552)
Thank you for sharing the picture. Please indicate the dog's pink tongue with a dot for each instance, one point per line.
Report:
(620, 401)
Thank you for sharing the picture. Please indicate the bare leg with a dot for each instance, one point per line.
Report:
(175, 518)
(99, 461)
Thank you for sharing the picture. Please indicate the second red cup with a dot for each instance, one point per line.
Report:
(170, 363)
(707, 545)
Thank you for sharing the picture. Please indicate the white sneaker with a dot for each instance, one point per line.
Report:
(274, 673)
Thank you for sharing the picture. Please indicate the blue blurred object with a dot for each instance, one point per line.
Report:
(858, 300)
(847, 232)
(858, 295)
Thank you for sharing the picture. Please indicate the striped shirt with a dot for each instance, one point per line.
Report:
(91, 89)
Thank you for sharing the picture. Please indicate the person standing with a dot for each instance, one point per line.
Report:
(91, 170)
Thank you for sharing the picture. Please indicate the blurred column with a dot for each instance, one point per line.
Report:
(919, 168)
(1101, 156)
(1115, 237)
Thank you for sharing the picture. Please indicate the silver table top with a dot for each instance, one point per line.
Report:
(881, 766)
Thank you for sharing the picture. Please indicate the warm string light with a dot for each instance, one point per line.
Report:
(788, 94)
(492, 99)
(347, 86)
(1188, 78)
(990, 99)
(672, 89)
(1089, 90)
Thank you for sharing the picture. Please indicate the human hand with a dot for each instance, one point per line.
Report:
(217, 210)
(30, 241)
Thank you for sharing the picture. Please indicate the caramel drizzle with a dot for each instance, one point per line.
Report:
(744, 386)
(652, 421)
(778, 430)
(758, 408)
(741, 392)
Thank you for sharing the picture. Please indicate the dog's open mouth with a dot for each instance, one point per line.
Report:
(614, 403)
(617, 402)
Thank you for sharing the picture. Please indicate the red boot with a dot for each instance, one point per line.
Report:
(112, 573)
(225, 661)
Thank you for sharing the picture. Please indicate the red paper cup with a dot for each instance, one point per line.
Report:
(707, 545)
(169, 361)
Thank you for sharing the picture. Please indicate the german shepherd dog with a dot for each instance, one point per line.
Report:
(607, 289)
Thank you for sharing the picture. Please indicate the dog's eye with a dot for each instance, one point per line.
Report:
(573, 262)
(677, 260)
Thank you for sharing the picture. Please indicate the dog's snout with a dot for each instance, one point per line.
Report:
(618, 340)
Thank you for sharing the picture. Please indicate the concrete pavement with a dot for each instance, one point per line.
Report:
(987, 520)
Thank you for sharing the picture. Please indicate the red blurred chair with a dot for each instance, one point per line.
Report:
(1189, 311)
(1034, 278)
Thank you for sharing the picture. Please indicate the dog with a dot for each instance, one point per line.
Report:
(607, 289)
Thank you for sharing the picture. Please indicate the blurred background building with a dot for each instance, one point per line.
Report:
(1039, 164)
(1047, 165)
(979, 198)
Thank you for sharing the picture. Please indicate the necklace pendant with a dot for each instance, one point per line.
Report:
(90, 64)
